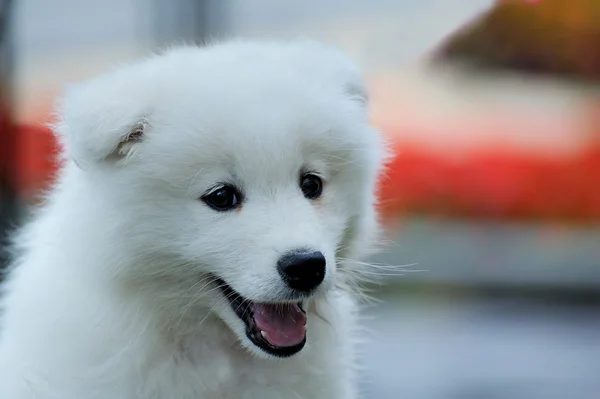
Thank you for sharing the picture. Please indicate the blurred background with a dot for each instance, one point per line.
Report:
(493, 195)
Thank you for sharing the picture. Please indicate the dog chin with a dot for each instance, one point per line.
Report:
(275, 329)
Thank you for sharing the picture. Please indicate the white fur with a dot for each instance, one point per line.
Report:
(109, 299)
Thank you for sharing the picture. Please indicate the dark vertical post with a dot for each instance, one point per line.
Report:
(182, 21)
(8, 138)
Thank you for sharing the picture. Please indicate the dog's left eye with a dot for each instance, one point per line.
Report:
(311, 186)
(222, 199)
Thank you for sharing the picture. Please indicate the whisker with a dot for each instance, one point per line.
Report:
(361, 277)
(199, 295)
(210, 312)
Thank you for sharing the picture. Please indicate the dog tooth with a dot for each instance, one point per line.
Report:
(264, 334)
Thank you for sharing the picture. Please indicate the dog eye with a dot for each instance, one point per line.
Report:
(311, 186)
(222, 199)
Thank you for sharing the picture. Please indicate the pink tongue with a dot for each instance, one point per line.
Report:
(283, 325)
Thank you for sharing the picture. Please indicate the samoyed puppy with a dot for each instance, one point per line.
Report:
(203, 235)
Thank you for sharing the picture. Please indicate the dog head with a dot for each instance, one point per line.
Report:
(240, 175)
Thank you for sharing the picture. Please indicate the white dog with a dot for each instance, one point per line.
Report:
(202, 237)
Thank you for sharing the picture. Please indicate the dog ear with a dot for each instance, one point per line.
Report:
(105, 118)
(331, 66)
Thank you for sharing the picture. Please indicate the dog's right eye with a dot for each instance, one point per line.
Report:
(222, 199)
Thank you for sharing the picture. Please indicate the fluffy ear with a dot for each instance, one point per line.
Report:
(331, 66)
(104, 118)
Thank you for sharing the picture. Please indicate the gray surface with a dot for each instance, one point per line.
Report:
(496, 253)
(421, 349)
(447, 348)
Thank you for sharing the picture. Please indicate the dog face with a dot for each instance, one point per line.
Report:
(242, 174)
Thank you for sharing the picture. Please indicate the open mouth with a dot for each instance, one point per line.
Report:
(279, 329)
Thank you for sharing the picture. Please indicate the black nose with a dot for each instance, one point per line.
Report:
(302, 270)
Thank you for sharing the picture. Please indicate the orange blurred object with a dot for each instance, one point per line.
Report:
(37, 151)
(493, 185)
